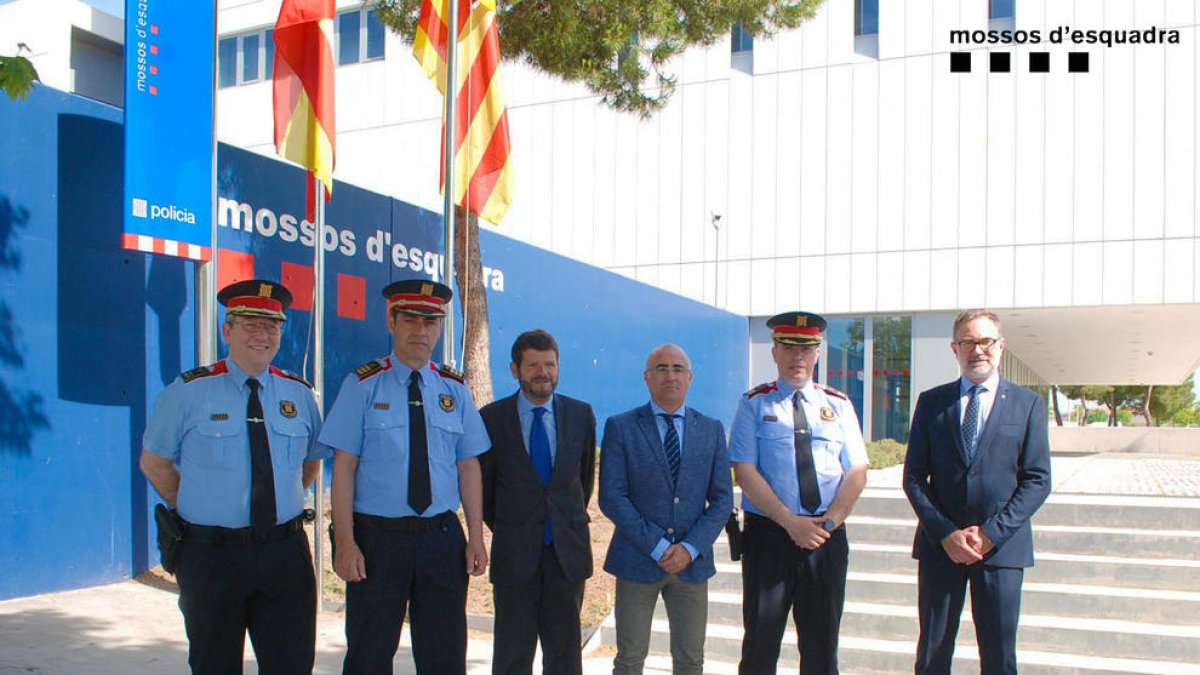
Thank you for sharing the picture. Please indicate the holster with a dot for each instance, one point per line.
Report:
(733, 531)
(170, 536)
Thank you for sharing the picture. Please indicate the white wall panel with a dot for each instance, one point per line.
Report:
(541, 177)
(735, 287)
(891, 209)
(1179, 266)
(1000, 151)
(837, 280)
(625, 195)
(918, 147)
(813, 272)
(692, 283)
(839, 188)
(972, 156)
(1196, 272)
(648, 191)
(916, 280)
(865, 154)
(788, 50)
(762, 286)
(1000, 285)
(561, 188)
(694, 219)
(863, 272)
(1028, 276)
(787, 284)
(1087, 270)
(1117, 70)
(1176, 12)
(1030, 186)
(789, 155)
(814, 40)
(918, 26)
(945, 153)
(716, 162)
(1148, 272)
(1088, 141)
(647, 274)
(943, 279)
(1148, 123)
(892, 36)
(1117, 272)
(947, 16)
(889, 282)
(1179, 109)
(670, 278)
(1058, 270)
(972, 277)
(840, 31)
(764, 169)
(740, 175)
(813, 177)
(580, 216)
(604, 144)
(670, 180)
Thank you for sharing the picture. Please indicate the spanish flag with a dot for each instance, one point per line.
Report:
(303, 81)
(483, 172)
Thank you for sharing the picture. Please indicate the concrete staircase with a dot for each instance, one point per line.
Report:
(1116, 589)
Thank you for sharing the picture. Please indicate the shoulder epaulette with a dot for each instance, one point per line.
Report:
(280, 372)
(218, 368)
(372, 368)
(763, 388)
(450, 373)
(832, 392)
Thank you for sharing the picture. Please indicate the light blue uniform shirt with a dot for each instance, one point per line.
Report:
(762, 435)
(525, 414)
(369, 419)
(661, 423)
(201, 426)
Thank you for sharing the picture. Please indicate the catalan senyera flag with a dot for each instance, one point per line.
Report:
(483, 180)
(303, 94)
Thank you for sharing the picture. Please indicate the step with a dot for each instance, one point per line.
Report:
(1078, 540)
(1116, 511)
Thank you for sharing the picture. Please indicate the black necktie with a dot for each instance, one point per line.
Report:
(671, 444)
(418, 452)
(262, 474)
(806, 471)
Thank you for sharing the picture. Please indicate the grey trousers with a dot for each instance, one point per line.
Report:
(687, 615)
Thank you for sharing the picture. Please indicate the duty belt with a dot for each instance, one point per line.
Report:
(410, 524)
(241, 536)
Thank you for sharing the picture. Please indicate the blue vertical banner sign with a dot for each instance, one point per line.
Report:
(169, 99)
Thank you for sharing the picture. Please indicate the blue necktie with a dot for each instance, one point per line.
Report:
(970, 425)
(539, 452)
(671, 444)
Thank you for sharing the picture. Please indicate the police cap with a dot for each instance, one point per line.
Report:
(421, 297)
(797, 328)
(256, 297)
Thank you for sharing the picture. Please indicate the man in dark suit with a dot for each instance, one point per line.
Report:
(537, 482)
(665, 484)
(978, 468)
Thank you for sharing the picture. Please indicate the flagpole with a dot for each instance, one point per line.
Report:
(206, 272)
(318, 319)
(448, 148)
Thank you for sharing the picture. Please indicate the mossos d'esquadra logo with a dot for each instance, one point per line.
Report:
(143, 209)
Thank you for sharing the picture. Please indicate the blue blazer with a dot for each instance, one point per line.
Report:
(639, 497)
(1000, 491)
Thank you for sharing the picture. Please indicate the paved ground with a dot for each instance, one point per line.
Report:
(132, 628)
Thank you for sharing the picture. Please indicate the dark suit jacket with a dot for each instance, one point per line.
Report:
(638, 495)
(515, 503)
(999, 491)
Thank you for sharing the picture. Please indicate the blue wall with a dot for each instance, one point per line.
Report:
(90, 334)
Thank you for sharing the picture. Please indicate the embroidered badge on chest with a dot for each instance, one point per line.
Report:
(828, 414)
(446, 401)
(287, 409)
(382, 406)
(219, 417)
(770, 418)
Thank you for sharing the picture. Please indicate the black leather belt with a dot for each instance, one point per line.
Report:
(235, 536)
(408, 524)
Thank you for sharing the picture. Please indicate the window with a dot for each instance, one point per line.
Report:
(360, 37)
(866, 17)
(891, 382)
(1001, 9)
(740, 39)
(846, 360)
(246, 58)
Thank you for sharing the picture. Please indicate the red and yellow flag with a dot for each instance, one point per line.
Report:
(303, 81)
(482, 169)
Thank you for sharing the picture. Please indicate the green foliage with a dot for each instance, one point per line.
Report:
(1188, 417)
(17, 76)
(886, 452)
(618, 48)
(1097, 415)
(1170, 400)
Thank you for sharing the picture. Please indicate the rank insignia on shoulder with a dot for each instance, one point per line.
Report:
(452, 374)
(217, 368)
(828, 414)
(370, 369)
(832, 392)
(287, 374)
(382, 405)
(287, 409)
(446, 401)
(763, 388)
(219, 417)
(770, 418)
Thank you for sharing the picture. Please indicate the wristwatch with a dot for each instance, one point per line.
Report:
(829, 525)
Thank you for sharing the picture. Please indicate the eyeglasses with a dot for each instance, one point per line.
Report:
(268, 327)
(986, 343)
(663, 368)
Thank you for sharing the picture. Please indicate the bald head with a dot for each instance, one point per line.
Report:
(668, 375)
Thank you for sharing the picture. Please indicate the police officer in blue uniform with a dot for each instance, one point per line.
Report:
(233, 446)
(799, 457)
(407, 437)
